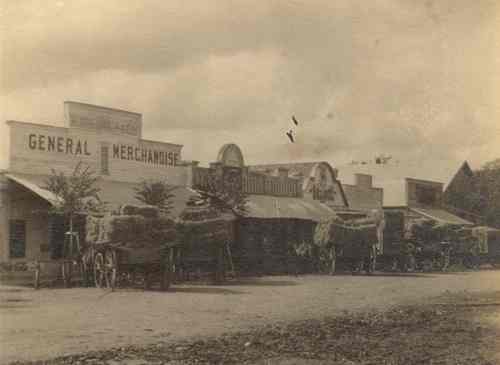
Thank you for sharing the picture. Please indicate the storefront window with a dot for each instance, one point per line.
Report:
(17, 238)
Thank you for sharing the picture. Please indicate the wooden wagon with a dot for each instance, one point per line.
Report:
(206, 237)
(69, 262)
(114, 260)
(140, 241)
(349, 244)
(395, 252)
(488, 247)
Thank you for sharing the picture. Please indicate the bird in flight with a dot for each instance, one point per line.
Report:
(290, 135)
(295, 120)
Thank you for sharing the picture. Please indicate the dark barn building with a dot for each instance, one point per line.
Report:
(284, 203)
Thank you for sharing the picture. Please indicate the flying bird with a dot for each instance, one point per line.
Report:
(295, 120)
(290, 135)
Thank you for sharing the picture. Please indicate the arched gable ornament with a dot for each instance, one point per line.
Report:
(322, 181)
(230, 155)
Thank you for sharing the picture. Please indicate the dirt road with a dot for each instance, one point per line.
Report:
(51, 322)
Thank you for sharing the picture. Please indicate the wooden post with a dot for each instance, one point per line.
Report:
(146, 279)
(166, 270)
(66, 272)
(170, 263)
(222, 264)
(36, 283)
(333, 258)
(230, 258)
(218, 264)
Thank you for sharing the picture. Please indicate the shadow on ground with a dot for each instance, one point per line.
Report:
(204, 290)
(12, 303)
(402, 275)
(259, 282)
(12, 290)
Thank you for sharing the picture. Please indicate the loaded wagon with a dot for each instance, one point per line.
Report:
(488, 240)
(137, 241)
(206, 237)
(351, 244)
(395, 253)
(425, 244)
(437, 245)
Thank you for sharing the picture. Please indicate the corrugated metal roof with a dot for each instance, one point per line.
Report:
(265, 206)
(440, 216)
(113, 193)
(35, 188)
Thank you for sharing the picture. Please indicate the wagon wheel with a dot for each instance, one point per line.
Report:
(394, 264)
(99, 278)
(441, 263)
(110, 268)
(427, 265)
(357, 266)
(67, 272)
(166, 277)
(411, 263)
(372, 263)
(87, 267)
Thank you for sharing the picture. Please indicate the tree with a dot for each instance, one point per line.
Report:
(156, 193)
(220, 192)
(488, 181)
(76, 193)
(478, 194)
(223, 192)
(492, 165)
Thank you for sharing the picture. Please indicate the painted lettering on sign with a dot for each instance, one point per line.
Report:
(146, 155)
(100, 118)
(102, 122)
(42, 142)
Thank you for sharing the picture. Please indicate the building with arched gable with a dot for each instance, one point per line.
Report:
(284, 203)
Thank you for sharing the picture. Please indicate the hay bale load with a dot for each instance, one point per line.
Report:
(143, 228)
(204, 226)
(324, 233)
(351, 235)
(147, 211)
(352, 240)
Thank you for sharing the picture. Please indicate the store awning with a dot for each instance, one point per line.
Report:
(113, 193)
(265, 206)
(36, 188)
(441, 216)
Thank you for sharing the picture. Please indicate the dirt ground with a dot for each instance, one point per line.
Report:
(54, 322)
(455, 330)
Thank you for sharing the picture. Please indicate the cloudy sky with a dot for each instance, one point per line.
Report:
(419, 80)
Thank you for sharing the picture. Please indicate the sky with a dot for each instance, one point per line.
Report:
(417, 80)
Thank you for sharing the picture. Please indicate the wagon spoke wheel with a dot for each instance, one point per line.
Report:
(411, 266)
(166, 271)
(110, 268)
(427, 265)
(99, 271)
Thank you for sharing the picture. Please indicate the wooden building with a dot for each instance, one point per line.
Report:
(284, 200)
(109, 141)
(282, 207)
